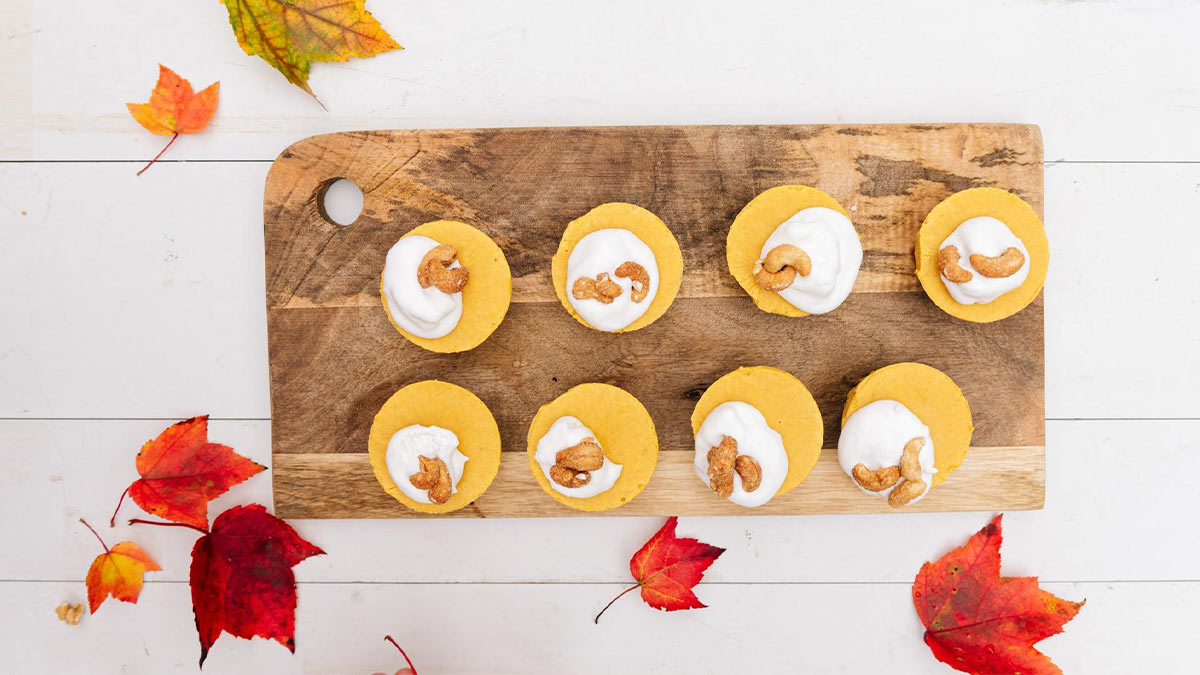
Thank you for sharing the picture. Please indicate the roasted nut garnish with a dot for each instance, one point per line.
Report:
(878, 480)
(947, 261)
(434, 477)
(778, 269)
(905, 492)
(435, 270)
(569, 478)
(720, 466)
(585, 456)
(640, 278)
(601, 288)
(910, 461)
(68, 613)
(1004, 265)
(749, 471)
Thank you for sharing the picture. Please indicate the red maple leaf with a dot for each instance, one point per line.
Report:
(242, 580)
(667, 567)
(979, 622)
(181, 472)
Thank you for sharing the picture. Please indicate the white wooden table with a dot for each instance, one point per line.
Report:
(127, 303)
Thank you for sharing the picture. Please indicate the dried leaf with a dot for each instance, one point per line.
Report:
(667, 568)
(118, 572)
(292, 34)
(181, 472)
(241, 577)
(979, 622)
(174, 108)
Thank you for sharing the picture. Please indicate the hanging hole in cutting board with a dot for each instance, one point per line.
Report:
(340, 201)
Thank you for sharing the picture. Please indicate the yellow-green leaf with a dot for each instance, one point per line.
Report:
(292, 34)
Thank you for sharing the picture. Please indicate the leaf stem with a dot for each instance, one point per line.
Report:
(139, 521)
(610, 602)
(397, 645)
(112, 522)
(160, 154)
(85, 524)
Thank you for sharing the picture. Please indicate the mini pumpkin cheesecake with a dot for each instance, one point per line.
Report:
(794, 250)
(905, 428)
(446, 286)
(758, 435)
(434, 446)
(982, 254)
(617, 268)
(593, 448)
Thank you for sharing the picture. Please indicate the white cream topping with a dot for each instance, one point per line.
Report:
(988, 237)
(414, 441)
(833, 246)
(564, 433)
(746, 425)
(875, 436)
(424, 312)
(603, 251)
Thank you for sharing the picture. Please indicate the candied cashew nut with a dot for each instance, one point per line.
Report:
(69, 614)
(721, 461)
(749, 471)
(434, 477)
(905, 492)
(427, 476)
(947, 261)
(787, 255)
(640, 278)
(778, 269)
(601, 288)
(1004, 265)
(435, 270)
(585, 456)
(569, 478)
(910, 461)
(875, 481)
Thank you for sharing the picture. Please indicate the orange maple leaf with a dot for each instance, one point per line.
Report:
(118, 572)
(292, 34)
(667, 567)
(181, 472)
(174, 108)
(979, 622)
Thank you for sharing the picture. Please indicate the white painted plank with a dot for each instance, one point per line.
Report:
(845, 628)
(1122, 323)
(132, 297)
(1114, 494)
(143, 297)
(1102, 78)
(16, 79)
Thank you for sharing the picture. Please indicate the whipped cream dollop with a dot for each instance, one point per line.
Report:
(833, 246)
(568, 431)
(602, 252)
(414, 441)
(875, 436)
(988, 237)
(424, 312)
(745, 424)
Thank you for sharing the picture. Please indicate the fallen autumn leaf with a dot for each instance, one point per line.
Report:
(977, 621)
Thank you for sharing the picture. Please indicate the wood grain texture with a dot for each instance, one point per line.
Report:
(341, 485)
(335, 358)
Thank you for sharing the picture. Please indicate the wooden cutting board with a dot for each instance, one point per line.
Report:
(335, 358)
